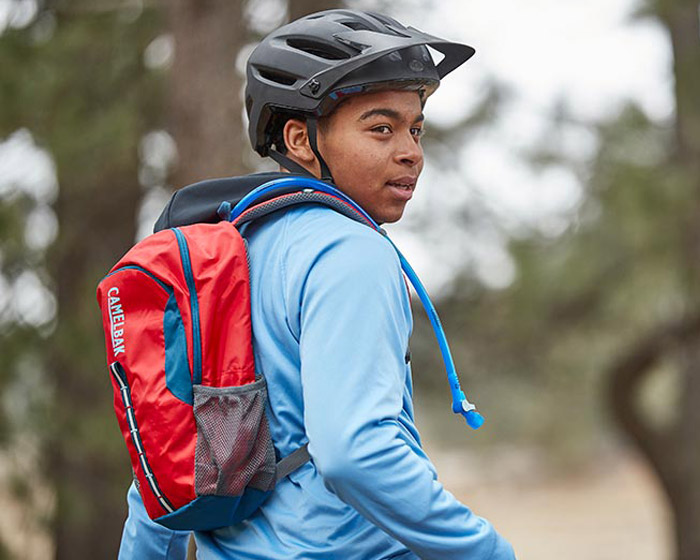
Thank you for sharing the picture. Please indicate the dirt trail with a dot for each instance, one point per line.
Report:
(612, 512)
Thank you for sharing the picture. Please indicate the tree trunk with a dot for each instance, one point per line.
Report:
(300, 8)
(682, 22)
(90, 477)
(671, 452)
(95, 117)
(686, 496)
(204, 95)
(674, 453)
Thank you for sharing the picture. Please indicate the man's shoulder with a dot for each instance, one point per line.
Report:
(320, 228)
(308, 217)
(304, 236)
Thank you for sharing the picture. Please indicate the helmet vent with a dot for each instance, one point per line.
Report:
(317, 48)
(357, 25)
(277, 76)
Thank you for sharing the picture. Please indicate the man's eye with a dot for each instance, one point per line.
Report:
(417, 131)
(382, 128)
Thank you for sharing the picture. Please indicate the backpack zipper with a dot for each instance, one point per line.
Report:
(125, 391)
(157, 280)
(194, 307)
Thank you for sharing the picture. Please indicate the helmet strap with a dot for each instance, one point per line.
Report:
(293, 166)
(312, 129)
(289, 163)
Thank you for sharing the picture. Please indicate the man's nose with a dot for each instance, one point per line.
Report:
(409, 152)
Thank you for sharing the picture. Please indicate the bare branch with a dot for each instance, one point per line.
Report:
(626, 376)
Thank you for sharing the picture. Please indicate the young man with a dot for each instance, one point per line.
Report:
(337, 95)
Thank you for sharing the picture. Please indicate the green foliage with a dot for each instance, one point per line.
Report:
(80, 86)
(76, 79)
(534, 354)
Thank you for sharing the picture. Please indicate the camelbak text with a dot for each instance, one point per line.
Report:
(116, 320)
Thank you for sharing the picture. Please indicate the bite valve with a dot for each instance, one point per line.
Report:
(474, 419)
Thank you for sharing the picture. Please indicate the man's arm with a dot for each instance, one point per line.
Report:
(355, 324)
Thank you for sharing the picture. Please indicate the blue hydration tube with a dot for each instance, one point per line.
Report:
(460, 404)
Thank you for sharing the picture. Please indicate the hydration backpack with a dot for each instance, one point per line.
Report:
(188, 400)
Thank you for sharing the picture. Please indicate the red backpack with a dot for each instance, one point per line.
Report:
(176, 314)
(176, 317)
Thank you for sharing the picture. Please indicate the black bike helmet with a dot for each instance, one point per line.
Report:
(304, 68)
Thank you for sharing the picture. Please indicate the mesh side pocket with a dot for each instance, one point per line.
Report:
(234, 449)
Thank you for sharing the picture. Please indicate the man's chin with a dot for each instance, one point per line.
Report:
(389, 217)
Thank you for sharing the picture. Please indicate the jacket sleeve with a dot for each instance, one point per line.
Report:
(355, 325)
(147, 540)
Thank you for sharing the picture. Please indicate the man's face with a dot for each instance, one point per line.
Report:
(371, 144)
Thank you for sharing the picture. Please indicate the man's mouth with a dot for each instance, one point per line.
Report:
(404, 183)
(404, 186)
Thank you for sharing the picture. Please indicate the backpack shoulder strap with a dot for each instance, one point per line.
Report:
(281, 193)
(285, 200)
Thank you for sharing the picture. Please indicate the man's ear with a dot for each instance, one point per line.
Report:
(296, 139)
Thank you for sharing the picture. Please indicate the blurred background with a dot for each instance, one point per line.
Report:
(557, 225)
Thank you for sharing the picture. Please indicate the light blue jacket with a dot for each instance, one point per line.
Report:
(331, 325)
